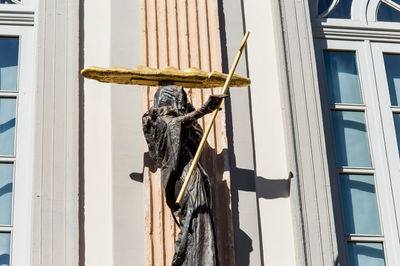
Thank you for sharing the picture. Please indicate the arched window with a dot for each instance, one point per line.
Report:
(357, 48)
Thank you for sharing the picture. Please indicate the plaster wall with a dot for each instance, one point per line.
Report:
(272, 184)
(97, 138)
(113, 138)
(241, 149)
(126, 138)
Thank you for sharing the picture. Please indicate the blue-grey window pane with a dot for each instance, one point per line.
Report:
(396, 118)
(392, 68)
(9, 63)
(5, 249)
(6, 187)
(342, 9)
(342, 77)
(7, 2)
(366, 254)
(360, 209)
(387, 13)
(351, 139)
(7, 125)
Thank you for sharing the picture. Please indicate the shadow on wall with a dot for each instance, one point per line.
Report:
(244, 180)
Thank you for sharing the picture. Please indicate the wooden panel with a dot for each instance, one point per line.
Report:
(184, 34)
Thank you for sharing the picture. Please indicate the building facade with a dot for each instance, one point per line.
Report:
(304, 162)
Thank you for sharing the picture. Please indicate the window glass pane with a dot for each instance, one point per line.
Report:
(8, 2)
(341, 10)
(342, 77)
(392, 68)
(7, 125)
(351, 139)
(8, 63)
(6, 187)
(366, 254)
(360, 209)
(396, 118)
(4, 249)
(387, 13)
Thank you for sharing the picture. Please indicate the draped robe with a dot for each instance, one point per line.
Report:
(172, 138)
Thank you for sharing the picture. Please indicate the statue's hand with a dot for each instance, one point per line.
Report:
(213, 102)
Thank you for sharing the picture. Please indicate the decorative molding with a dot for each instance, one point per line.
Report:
(311, 192)
(55, 229)
(341, 32)
(18, 18)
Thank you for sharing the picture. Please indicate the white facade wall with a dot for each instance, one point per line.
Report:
(272, 172)
(114, 218)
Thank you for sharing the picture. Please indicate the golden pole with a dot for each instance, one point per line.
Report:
(208, 129)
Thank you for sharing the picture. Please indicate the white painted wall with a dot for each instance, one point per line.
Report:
(114, 216)
(127, 138)
(269, 136)
(97, 138)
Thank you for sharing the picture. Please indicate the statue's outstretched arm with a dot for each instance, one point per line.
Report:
(209, 106)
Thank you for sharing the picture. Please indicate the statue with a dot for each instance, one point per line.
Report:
(175, 143)
(173, 135)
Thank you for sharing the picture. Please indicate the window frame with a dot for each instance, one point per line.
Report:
(387, 110)
(20, 246)
(375, 132)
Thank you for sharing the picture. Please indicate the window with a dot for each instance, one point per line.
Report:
(358, 63)
(17, 96)
(9, 53)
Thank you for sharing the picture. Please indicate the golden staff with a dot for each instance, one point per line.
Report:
(208, 129)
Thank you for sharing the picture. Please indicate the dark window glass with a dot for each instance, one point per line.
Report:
(341, 10)
(387, 13)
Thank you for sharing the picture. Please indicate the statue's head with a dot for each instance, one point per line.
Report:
(171, 96)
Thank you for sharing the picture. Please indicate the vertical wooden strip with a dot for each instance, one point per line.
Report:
(203, 35)
(157, 197)
(162, 43)
(163, 57)
(215, 43)
(173, 47)
(194, 47)
(162, 33)
(152, 38)
(148, 223)
(173, 60)
(208, 157)
(183, 40)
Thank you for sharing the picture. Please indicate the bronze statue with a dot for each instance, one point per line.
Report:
(175, 143)
(173, 135)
